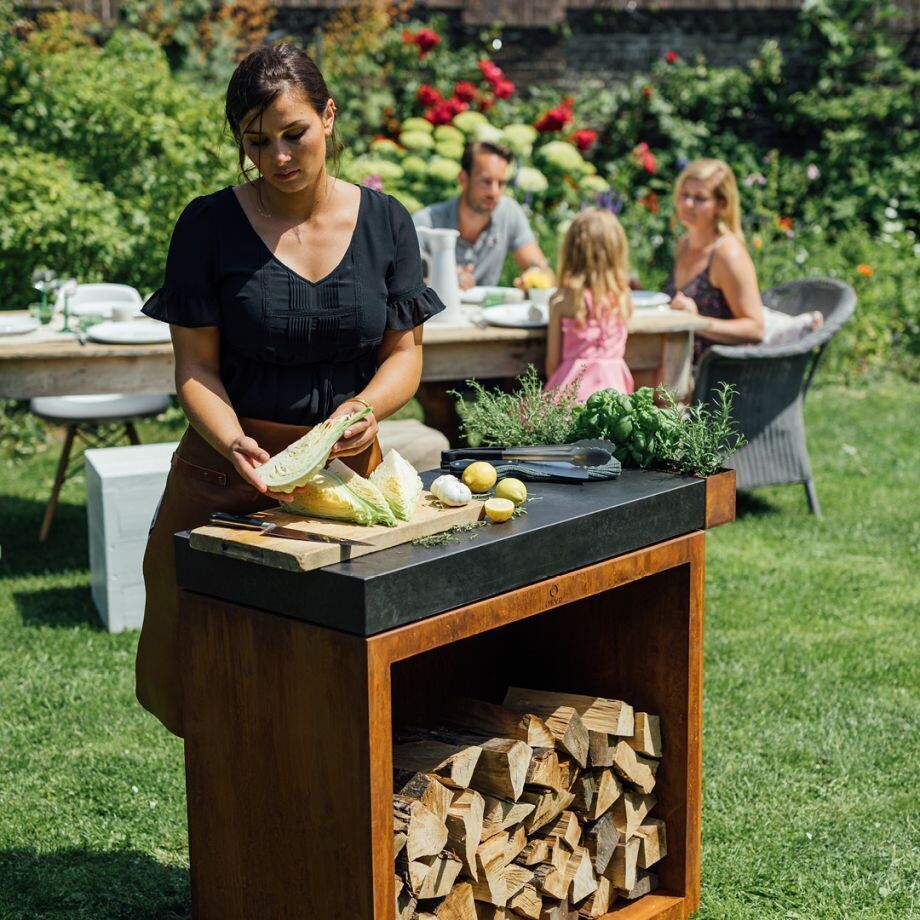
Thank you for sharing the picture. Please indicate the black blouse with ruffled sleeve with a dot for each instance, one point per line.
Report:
(291, 350)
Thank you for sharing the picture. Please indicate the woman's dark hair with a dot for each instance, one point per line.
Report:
(258, 80)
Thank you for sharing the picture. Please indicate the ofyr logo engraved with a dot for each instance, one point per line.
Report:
(554, 598)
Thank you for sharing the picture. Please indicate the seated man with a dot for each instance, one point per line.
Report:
(490, 223)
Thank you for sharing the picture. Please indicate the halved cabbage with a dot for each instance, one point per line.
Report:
(324, 495)
(400, 484)
(366, 491)
(291, 468)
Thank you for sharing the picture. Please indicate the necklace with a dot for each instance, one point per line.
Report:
(298, 225)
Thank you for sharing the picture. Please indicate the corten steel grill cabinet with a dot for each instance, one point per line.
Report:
(294, 681)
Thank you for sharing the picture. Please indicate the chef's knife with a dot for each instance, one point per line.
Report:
(268, 529)
(577, 454)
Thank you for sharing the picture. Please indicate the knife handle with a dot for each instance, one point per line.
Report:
(472, 453)
(236, 520)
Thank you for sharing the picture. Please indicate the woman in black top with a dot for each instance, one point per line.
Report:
(292, 298)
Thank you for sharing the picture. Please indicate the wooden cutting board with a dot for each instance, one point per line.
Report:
(298, 555)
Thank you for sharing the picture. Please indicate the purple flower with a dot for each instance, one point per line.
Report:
(682, 162)
(812, 172)
(374, 182)
(755, 179)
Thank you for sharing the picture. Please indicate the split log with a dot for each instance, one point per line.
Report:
(458, 905)
(580, 875)
(464, 828)
(428, 790)
(399, 842)
(569, 771)
(629, 811)
(623, 867)
(606, 790)
(498, 722)
(646, 737)
(585, 791)
(649, 762)
(500, 814)
(565, 829)
(490, 861)
(425, 832)
(603, 715)
(434, 876)
(516, 879)
(563, 721)
(544, 771)
(600, 840)
(502, 764)
(653, 844)
(537, 850)
(547, 807)
(550, 877)
(629, 768)
(600, 901)
(527, 902)
(601, 746)
(453, 764)
(517, 840)
(645, 882)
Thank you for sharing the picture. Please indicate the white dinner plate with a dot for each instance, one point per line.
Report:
(476, 295)
(140, 332)
(516, 315)
(650, 300)
(101, 308)
(17, 325)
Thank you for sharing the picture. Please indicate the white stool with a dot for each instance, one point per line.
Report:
(123, 487)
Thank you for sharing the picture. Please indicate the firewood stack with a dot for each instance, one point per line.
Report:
(539, 808)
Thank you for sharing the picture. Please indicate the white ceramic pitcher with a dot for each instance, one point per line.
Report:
(439, 264)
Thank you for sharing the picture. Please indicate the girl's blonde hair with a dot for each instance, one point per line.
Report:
(595, 257)
(717, 175)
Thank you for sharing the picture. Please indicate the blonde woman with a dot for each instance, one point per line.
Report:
(586, 338)
(713, 272)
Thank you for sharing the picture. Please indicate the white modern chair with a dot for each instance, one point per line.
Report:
(92, 416)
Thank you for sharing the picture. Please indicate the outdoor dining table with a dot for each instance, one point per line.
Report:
(295, 683)
(48, 362)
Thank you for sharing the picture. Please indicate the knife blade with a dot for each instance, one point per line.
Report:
(577, 454)
(269, 529)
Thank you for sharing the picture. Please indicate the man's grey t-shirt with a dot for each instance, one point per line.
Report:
(506, 231)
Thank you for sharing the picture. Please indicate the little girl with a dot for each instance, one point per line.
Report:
(588, 313)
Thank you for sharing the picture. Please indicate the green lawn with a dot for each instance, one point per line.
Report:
(810, 721)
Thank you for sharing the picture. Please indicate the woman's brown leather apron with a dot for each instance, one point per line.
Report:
(200, 481)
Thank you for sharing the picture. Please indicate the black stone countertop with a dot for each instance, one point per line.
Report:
(566, 527)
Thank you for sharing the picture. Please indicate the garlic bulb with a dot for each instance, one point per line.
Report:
(450, 491)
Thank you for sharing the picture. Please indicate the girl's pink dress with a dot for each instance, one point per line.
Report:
(593, 351)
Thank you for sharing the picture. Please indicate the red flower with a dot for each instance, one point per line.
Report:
(650, 201)
(503, 89)
(428, 95)
(584, 138)
(485, 103)
(865, 270)
(784, 224)
(465, 90)
(671, 57)
(492, 72)
(648, 92)
(456, 105)
(441, 113)
(425, 39)
(555, 119)
(645, 158)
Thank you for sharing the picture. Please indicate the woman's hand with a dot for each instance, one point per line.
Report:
(357, 437)
(680, 301)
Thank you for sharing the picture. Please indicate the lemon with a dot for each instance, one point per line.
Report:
(512, 489)
(499, 509)
(479, 477)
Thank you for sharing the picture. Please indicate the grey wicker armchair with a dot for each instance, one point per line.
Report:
(771, 383)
